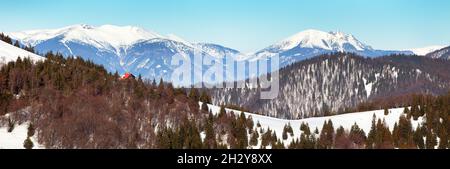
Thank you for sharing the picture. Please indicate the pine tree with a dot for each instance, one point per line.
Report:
(443, 138)
(193, 94)
(250, 124)
(193, 140)
(387, 139)
(284, 135)
(395, 135)
(205, 107)
(326, 135)
(17, 44)
(418, 138)
(204, 97)
(406, 111)
(357, 136)
(210, 135)
(431, 140)
(254, 138)
(405, 133)
(222, 112)
(372, 134)
(28, 144)
(305, 128)
(258, 124)
(161, 85)
(316, 131)
(287, 129)
(341, 140)
(11, 125)
(31, 130)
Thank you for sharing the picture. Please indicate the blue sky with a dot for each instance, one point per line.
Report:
(247, 25)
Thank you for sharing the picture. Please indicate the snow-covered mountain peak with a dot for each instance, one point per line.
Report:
(105, 36)
(311, 38)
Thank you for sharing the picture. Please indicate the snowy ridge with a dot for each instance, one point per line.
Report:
(10, 53)
(426, 50)
(105, 37)
(115, 35)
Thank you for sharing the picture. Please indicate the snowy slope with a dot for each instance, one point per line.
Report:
(15, 139)
(10, 53)
(363, 119)
(426, 50)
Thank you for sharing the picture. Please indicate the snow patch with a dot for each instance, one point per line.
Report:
(16, 138)
(368, 87)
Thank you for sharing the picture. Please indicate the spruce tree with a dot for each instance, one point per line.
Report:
(31, 130)
(418, 138)
(11, 125)
(357, 136)
(443, 138)
(395, 135)
(222, 112)
(28, 144)
(205, 107)
(284, 135)
(431, 140)
(405, 133)
(254, 138)
(17, 44)
(193, 94)
(316, 131)
(258, 124)
(372, 134)
(210, 136)
(204, 97)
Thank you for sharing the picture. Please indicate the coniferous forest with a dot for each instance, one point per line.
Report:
(73, 103)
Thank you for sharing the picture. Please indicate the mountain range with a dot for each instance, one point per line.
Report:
(139, 51)
(340, 82)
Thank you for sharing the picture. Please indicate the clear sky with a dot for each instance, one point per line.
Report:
(246, 25)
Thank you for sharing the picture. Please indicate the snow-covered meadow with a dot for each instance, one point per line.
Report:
(362, 119)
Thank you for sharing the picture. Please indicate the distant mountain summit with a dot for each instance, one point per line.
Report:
(310, 43)
(336, 41)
